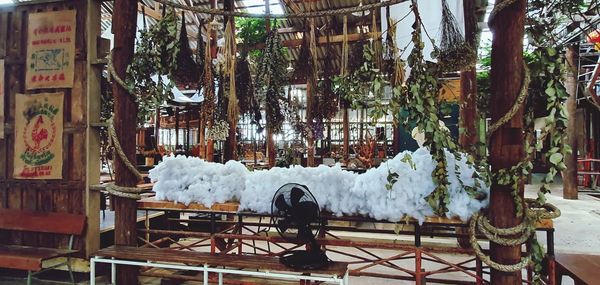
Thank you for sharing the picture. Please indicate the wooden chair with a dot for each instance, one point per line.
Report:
(30, 258)
(583, 268)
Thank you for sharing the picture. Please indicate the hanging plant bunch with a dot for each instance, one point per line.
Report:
(455, 53)
(156, 53)
(200, 55)
(208, 84)
(272, 80)
(186, 71)
(328, 101)
(422, 106)
(244, 85)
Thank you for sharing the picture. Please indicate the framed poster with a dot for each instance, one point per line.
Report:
(38, 136)
(50, 50)
(2, 99)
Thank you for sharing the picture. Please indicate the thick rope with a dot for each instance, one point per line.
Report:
(122, 191)
(113, 75)
(486, 259)
(519, 102)
(313, 14)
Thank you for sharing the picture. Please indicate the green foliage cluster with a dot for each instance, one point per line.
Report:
(156, 53)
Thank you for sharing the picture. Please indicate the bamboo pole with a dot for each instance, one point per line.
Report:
(506, 144)
(125, 108)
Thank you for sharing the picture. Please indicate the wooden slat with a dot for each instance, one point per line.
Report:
(45, 222)
(583, 268)
(254, 262)
(28, 258)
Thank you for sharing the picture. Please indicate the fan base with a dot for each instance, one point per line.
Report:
(300, 259)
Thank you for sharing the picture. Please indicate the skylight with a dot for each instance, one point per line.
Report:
(258, 6)
(6, 2)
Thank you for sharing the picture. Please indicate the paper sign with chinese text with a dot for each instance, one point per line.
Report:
(38, 136)
(50, 50)
(2, 86)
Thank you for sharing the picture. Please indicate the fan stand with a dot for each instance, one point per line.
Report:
(313, 258)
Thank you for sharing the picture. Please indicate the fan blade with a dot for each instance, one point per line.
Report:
(296, 195)
(283, 224)
(309, 212)
(281, 204)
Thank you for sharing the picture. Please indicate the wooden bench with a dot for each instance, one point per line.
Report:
(249, 265)
(30, 258)
(582, 268)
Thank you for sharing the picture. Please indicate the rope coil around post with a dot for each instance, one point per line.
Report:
(116, 190)
(113, 141)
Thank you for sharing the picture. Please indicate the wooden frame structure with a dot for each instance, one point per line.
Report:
(80, 141)
(248, 233)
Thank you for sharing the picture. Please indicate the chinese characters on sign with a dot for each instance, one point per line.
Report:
(38, 136)
(2, 99)
(50, 50)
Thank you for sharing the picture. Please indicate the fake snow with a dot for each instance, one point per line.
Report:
(188, 179)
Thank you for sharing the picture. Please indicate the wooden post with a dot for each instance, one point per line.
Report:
(346, 132)
(570, 174)
(506, 144)
(468, 85)
(176, 128)
(157, 128)
(124, 28)
(230, 147)
(187, 131)
(310, 140)
(271, 151)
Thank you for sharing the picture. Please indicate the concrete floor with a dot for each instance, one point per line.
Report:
(577, 231)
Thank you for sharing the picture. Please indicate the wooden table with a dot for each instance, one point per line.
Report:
(583, 268)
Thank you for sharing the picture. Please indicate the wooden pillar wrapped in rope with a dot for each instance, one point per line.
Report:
(125, 110)
(506, 144)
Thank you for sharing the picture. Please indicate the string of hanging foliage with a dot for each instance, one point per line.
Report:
(271, 80)
(156, 54)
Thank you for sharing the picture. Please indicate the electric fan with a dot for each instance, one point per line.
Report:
(297, 218)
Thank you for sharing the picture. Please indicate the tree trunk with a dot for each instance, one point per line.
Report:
(506, 144)
(124, 23)
(570, 174)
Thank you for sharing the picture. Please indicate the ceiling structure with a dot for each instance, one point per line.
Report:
(290, 29)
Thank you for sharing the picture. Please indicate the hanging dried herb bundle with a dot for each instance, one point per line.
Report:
(455, 53)
(200, 56)
(208, 85)
(244, 86)
(302, 66)
(272, 79)
(229, 52)
(328, 101)
(156, 53)
(186, 71)
(393, 65)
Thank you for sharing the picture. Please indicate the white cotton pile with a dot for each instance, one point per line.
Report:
(189, 179)
(340, 192)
